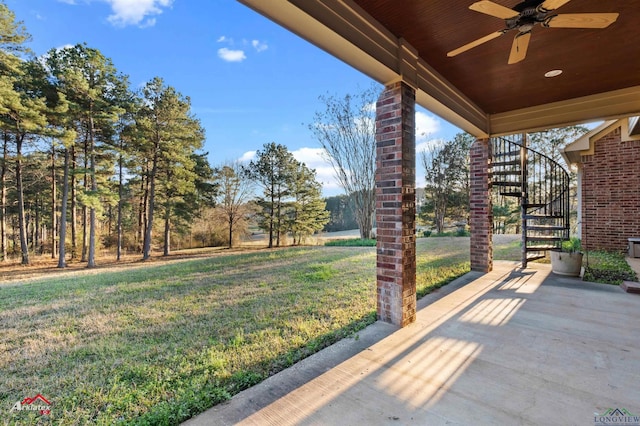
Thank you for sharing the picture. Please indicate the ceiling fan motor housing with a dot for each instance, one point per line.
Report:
(530, 14)
(525, 15)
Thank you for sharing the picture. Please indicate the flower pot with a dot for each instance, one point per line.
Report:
(568, 264)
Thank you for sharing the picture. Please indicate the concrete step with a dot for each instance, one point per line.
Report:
(630, 287)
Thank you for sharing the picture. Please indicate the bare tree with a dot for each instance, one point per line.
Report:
(235, 189)
(347, 132)
(550, 142)
(447, 180)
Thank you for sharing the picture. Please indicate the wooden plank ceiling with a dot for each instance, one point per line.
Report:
(592, 60)
(478, 90)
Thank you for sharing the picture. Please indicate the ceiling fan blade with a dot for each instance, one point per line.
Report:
(493, 9)
(581, 20)
(475, 43)
(519, 47)
(553, 4)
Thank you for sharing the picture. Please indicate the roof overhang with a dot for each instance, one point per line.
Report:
(349, 32)
(585, 145)
(634, 126)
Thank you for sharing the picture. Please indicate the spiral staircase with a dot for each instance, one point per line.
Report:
(542, 187)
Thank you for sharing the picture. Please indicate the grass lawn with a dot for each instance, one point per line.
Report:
(354, 242)
(159, 343)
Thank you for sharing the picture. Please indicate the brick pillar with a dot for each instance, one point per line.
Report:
(396, 204)
(481, 215)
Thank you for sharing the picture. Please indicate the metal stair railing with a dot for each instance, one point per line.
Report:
(542, 185)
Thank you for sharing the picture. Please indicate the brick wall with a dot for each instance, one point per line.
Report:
(395, 205)
(611, 193)
(481, 215)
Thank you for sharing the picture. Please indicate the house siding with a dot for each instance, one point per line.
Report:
(611, 193)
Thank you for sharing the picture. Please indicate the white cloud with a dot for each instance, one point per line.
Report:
(426, 125)
(259, 46)
(236, 51)
(131, 12)
(428, 144)
(315, 158)
(231, 55)
(247, 156)
(310, 156)
(371, 107)
(136, 12)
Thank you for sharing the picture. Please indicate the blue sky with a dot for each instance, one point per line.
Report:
(250, 81)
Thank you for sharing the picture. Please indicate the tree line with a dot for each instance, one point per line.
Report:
(87, 162)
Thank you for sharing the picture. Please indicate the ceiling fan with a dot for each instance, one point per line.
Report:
(524, 16)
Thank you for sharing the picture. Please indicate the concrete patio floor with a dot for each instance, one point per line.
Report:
(509, 347)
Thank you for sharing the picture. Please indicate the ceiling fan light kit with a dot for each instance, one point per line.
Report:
(524, 16)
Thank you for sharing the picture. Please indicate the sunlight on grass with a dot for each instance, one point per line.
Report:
(507, 247)
(315, 273)
(440, 261)
(161, 343)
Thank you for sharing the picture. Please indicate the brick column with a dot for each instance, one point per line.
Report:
(396, 204)
(481, 215)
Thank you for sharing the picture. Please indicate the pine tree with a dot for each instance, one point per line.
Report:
(171, 135)
(273, 170)
(307, 210)
(24, 118)
(91, 84)
(20, 111)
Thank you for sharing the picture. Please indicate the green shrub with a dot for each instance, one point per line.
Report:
(573, 245)
(458, 233)
(461, 232)
(608, 268)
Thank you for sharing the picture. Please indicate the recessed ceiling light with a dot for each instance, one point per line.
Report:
(552, 73)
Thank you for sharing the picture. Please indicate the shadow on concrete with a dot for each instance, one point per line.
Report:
(509, 347)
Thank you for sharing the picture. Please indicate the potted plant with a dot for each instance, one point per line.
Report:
(568, 260)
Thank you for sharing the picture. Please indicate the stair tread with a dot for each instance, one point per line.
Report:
(542, 216)
(505, 183)
(507, 153)
(547, 228)
(542, 247)
(535, 257)
(506, 163)
(507, 173)
(544, 238)
(548, 225)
